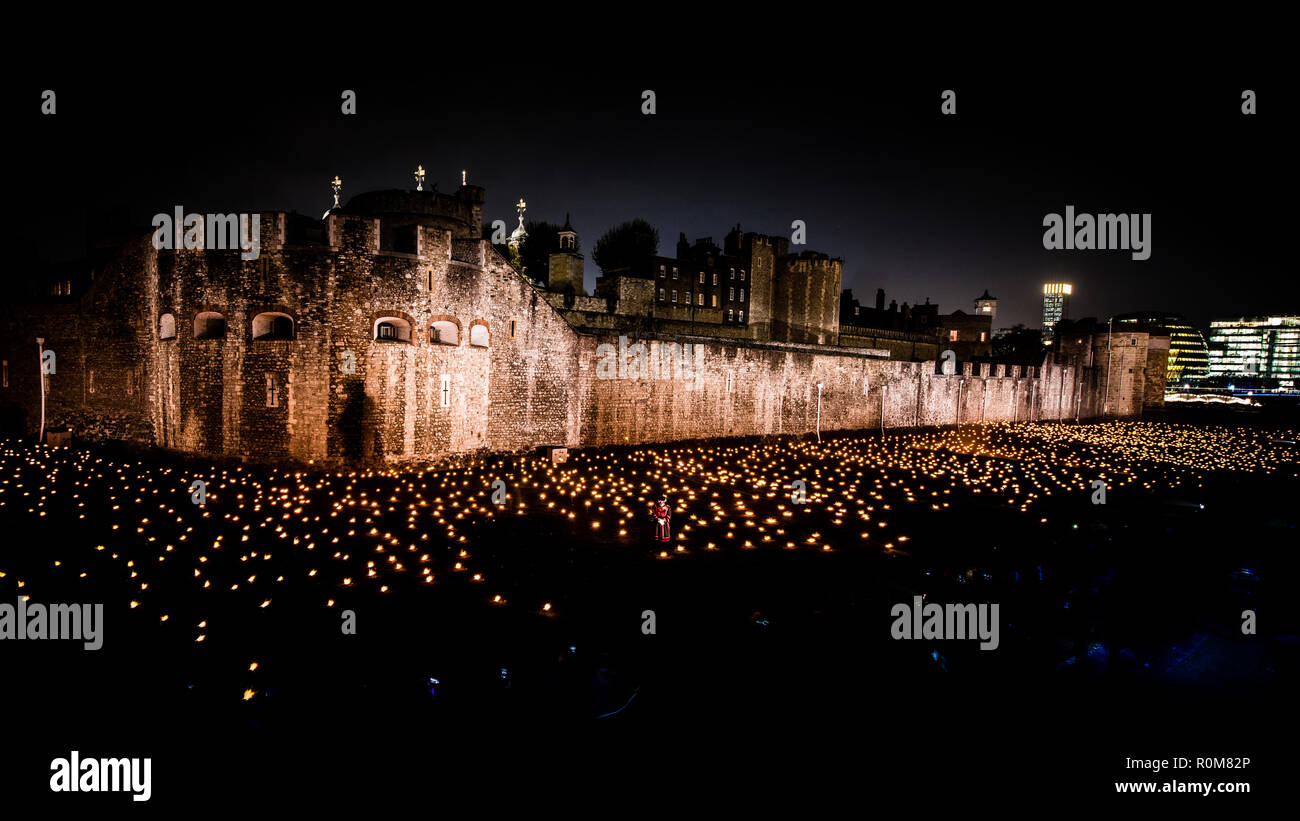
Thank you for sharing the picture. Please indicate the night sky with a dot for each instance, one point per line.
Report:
(920, 204)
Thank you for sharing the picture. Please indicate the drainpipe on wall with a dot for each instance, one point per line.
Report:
(1060, 398)
(819, 411)
(882, 411)
(1105, 406)
(916, 421)
(40, 374)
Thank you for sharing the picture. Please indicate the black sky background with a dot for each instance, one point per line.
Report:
(921, 204)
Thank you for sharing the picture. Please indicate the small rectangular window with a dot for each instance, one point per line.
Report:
(731, 295)
(661, 294)
(715, 301)
(742, 274)
(90, 380)
(6, 373)
(952, 336)
(674, 295)
(715, 277)
(742, 294)
(445, 390)
(674, 272)
(742, 314)
(513, 323)
(272, 392)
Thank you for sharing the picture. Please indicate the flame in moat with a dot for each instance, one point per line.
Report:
(174, 562)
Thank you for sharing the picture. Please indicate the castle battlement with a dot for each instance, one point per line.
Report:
(374, 334)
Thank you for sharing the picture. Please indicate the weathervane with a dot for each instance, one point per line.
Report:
(337, 185)
(419, 178)
(521, 206)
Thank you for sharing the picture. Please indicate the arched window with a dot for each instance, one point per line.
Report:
(167, 327)
(209, 325)
(272, 325)
(478, 334)
(392, 329)
(444, 332)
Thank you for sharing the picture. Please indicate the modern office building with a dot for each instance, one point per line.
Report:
(1188, 354)
(1056, 305)
(1266, 349)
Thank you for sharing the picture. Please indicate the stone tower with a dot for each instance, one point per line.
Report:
(566, 264)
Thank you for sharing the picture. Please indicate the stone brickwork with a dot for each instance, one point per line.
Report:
(383, 335)
(904, 345)
(1122, 362)
(806, 299)
(752, 389)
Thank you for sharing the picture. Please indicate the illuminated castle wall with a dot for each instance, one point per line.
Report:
(390, 331)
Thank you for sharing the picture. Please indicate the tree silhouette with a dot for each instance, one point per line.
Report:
(629, 246)
(1018, 345)
(535, 251)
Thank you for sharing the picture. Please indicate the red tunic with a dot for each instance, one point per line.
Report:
(662, 516)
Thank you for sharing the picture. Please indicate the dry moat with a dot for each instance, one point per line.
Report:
(768, 608)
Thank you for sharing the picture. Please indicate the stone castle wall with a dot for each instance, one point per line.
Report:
(517, 374)
(746, 390)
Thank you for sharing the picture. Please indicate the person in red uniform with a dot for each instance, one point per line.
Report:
(662, 515)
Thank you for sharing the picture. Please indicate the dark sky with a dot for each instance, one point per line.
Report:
(920, 204)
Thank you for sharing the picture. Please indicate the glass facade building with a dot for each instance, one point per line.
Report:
(1264, 348)
(1056, 305)
(1189, 356)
